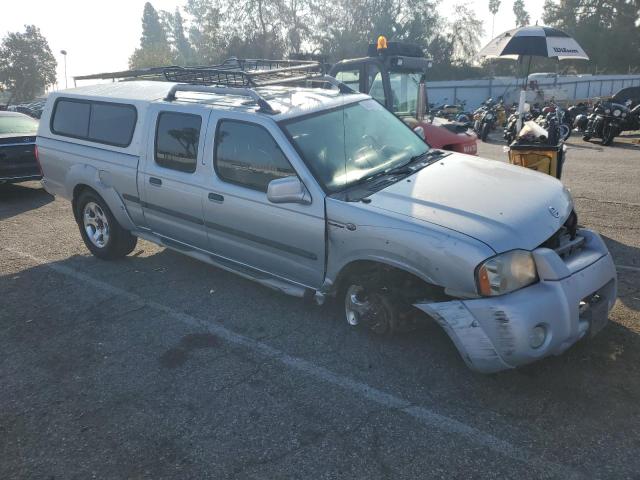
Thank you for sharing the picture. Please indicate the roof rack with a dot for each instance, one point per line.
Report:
(240, 92)
(236, 72)
(234, 76)
(262, 103)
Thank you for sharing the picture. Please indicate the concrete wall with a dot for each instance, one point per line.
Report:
(567, 88)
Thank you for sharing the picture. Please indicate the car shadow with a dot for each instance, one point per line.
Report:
(16, 198)
(627, 260)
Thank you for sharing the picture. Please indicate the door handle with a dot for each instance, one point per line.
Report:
(155, 181)
(216, 197)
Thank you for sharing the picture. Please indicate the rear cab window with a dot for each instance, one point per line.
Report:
(177, 141)
(95, 121)
(246, 154)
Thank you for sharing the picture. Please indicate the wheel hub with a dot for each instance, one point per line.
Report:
(369, 309)
(95, 224)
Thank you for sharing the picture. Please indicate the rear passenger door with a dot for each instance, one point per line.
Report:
(170, 181)
(285, 239)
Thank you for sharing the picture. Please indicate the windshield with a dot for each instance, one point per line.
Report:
(349, 144)
(404, 91)
(17, 124)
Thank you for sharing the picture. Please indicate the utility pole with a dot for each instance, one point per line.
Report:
(64, 53)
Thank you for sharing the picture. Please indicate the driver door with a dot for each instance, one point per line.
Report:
(284, 239)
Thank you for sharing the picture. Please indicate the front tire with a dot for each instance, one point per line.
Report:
(484, 134)
(373, 309)
(608, 135)
(100, 231)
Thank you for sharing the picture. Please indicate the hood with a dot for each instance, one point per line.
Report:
(439, 136)
(504, 206)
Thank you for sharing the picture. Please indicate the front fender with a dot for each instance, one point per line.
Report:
(437, 256)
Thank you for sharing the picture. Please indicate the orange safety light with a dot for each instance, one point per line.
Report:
(382, 42)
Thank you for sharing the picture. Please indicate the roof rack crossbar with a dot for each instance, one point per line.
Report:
(244, 72)
(240, 92)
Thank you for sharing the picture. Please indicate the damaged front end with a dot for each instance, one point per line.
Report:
(575, 291)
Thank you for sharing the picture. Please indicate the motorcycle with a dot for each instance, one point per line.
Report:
(561, 121)
(632, 120)
(447, 111)
(606, 122)
(511, 129)
(578, 116)
(485, 119)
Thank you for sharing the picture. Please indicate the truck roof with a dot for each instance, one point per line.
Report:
(287, 101)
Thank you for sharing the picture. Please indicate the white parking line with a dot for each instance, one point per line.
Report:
(422, 414)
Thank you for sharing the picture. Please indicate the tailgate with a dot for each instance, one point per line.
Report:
(17, 157)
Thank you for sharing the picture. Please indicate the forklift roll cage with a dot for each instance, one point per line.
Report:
(385, 63)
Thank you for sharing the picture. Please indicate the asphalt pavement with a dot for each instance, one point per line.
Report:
(158, 366)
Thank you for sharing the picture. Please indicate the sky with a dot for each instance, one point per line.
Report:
(100, 35)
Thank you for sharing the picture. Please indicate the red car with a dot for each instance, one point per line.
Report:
(394, 74)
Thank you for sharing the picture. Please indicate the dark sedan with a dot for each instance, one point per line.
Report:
(18, 155)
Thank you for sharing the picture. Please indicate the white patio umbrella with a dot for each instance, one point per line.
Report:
(533, 41)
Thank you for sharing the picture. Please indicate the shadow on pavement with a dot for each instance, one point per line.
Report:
(628, 279)
(109, 356)
(19, 198)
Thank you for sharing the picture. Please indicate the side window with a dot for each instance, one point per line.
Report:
(100, 122)
(374, 83)
(177, 141)
(71, 118)
(112, 123)
(351, 78)
(246, 154)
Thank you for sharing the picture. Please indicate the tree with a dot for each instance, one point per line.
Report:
(494, 6)
(27, 66)
(181, 49)
(608, 30)
(522, 16)
(154, 50)
(465, 33)
(205, 31)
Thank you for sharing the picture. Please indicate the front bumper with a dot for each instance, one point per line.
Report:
(572, 298)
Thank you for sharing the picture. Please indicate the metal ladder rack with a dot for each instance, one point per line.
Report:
(241, 73)
(241, 77)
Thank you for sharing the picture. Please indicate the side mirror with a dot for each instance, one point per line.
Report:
(288, 190)
(420, 132)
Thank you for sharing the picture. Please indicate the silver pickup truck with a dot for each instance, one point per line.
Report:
(319, 192)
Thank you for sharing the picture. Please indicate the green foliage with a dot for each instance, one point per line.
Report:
(608, 30)
(494, 6)
(205, 32)
(154, 47)
(522, 16)
(466, 31)
(27, 66)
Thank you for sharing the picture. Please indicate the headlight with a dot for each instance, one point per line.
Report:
(505, 273)
(488, 116)
(617, 113)
(607, 111)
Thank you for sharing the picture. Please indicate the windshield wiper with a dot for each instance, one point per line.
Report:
(404, 167)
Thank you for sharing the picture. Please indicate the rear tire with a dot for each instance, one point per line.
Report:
(100, 231)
